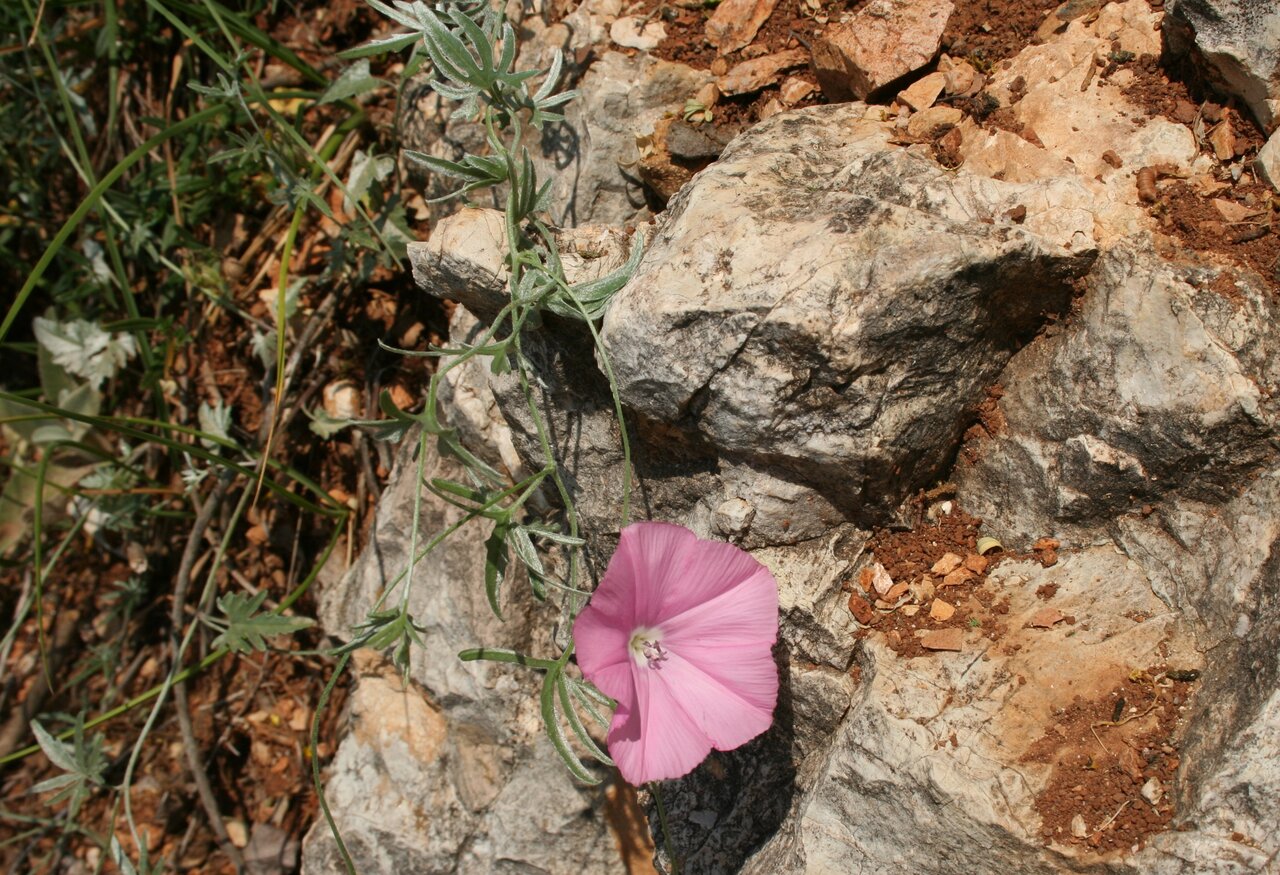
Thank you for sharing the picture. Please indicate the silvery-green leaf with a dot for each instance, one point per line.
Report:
(324, 425)
(354, 80)
(263, 345)
(381, 46)
(84, 348)
(214, 420)
(59, 753)
(54, 379)
(525, 550)
(365, 171)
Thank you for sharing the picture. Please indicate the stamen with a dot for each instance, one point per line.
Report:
(655, 653)
(646, 647)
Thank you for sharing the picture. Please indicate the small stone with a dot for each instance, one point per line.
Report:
(923, 589)
(948, 563)
(941, 610)
(1078, 827)
(921, 95)
(961, 78)
(861, 610)
(957, 577)
(943, 639)
(734, 516)
(708, 95)
(401, 396)
(1232, 211)
(875, 577)
(1223, 140)
(1045, 618)
(735, 23)
(771, 107)
(933, 121)
(1112, 158)
(631, 33)
(897, 591)
(793, 90)
(976, 563)
(1268, 161)
(342, 400)
(237, 832)
(883, 41)
(757, 73)
(910, 610)
(1152, 791)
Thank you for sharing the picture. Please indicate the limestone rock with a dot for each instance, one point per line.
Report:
(922, 93)
(1074, 129)
(734, 23)
(591, 155)
(1158, 387)
(933, 747)
(1268, 161)
(931, 122)
(632, 33)
(757, 73)
(452, 770)
(787, 265)
(466, 258)
(1237, 42)
(883, 41)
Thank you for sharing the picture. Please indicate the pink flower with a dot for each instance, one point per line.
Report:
(679, 632)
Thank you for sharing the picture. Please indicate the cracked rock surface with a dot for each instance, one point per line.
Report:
(818, 322)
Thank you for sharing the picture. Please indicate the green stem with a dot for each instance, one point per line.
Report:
(656, 790)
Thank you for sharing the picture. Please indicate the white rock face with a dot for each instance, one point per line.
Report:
(847, 301)
(933, 746)
(815, 321)
(453, 772)
(1238, 41)
(1077, 123)
(1161, 388)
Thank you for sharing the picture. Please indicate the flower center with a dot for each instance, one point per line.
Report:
(646, 647)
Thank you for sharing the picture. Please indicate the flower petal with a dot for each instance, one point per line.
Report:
(710, 569)
(600, 637)
(732, 704)
(657, 740)
(746, 614)
(649, 561)
(617, 681)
